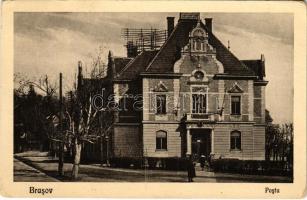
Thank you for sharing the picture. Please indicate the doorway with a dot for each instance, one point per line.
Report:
(201, 143)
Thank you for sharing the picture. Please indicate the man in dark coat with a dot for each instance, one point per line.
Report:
(190, 169)
(202, 161)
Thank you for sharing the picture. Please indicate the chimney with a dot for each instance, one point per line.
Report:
(262, 58)
(170, 25)
(262, 66)
(209, 24)
(132, 50)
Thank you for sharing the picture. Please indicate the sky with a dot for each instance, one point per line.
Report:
(50, 43)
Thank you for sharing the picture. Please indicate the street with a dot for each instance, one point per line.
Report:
(38, 167)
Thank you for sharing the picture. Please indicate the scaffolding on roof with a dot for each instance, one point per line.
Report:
(139, 39)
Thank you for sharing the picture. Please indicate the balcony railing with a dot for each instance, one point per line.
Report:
(210, 117)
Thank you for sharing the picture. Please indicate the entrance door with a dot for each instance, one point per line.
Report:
(201, 143)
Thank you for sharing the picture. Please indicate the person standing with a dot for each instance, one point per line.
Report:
(190, 169)
(202, 161)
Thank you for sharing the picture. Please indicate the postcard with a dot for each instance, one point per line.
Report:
(153, 99)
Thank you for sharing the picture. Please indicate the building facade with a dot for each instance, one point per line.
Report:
(192, 96)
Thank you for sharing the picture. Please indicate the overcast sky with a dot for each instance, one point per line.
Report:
(50, 43)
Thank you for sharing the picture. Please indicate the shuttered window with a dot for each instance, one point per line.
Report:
(161, 140)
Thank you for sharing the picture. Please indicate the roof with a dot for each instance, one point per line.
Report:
(136, 66)
(257, 66)
(166, 57)
(120, 63)
(163, 60)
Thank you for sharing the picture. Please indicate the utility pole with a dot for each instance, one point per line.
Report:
(101, 139)
(61, 148)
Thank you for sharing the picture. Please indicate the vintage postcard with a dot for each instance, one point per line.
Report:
(153, 99)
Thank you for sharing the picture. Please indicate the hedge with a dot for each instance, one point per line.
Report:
(251, 167)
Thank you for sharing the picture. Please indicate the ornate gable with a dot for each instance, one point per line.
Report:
(199, 52)
(235, 89)
(160, 87)
(198, 42)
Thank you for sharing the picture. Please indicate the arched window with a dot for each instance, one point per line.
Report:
(235, 140)
(198, 40)
(161, 140)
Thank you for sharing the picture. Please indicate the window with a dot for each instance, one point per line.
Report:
(199, 75)
(235, 140)
(198, 44)
(199, 103)
(236, 105)
(161, 140)
(161, 104)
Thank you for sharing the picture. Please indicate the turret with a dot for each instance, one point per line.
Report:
(111, 66)
(80, 76)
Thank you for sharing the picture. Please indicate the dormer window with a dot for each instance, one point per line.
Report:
(198, 36)
(199, 33)
(198, 39)
(198, 44)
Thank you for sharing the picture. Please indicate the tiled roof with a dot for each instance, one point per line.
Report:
(232, 65)
(257, 66)
(162, 61)
(120, 63)
(136, 66)
(165, 59)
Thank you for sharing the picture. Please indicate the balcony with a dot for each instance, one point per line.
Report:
(210, 117)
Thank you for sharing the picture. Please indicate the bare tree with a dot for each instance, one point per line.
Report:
(98, 66)
(83, 119)
(43, 84)
(83, 128)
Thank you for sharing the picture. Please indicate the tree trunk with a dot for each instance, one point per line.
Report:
(101, 151)
(61, 153)
(75, 169)
(61, 159)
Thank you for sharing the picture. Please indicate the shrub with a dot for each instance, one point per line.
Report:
(250, 167)
(126, 162)
(173, 163)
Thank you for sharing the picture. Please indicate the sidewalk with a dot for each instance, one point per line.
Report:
(96, 173)
(25, 173)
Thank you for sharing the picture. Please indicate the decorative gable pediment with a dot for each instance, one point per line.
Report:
(235, 89)
(160, 87)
